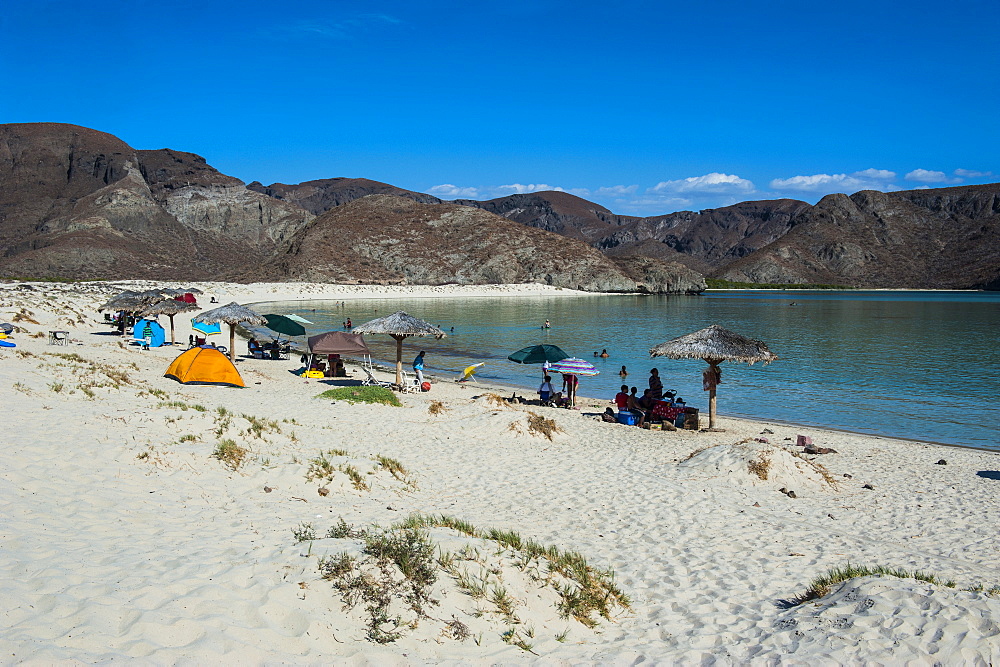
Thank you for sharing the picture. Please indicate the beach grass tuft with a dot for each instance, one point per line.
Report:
(760, 466)
(437, 408)
(395, 468)
(543, 426)
(231, 454)
(362, 395)
(823, 584)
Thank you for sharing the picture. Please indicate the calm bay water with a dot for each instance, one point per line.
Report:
(922, 365)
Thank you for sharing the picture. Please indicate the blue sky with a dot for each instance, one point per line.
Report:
(644, 107)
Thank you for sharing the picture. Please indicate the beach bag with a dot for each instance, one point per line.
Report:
(425, 386)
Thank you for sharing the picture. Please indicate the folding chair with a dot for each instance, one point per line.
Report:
(372, 381)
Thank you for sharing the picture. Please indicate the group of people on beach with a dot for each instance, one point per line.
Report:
(641, 407)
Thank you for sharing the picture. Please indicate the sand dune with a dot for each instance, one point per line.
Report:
(122, 537)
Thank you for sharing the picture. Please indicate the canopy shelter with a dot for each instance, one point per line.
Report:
(168, 307)
(342, 343)
(399, 325)
(574, 367)
(232, 314)
(338, 342)
(284, 325)
(714, 345)
(204, 365)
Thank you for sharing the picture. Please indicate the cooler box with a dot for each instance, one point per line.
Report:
(626, 418)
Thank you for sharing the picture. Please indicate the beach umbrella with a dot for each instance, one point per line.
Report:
(301, 320)
(284, 325)
(207, 329)
(192, 290)
(537, 354)
(232, 314)
(714, 345)
(574, 366)
(399, 325)
(168, 307)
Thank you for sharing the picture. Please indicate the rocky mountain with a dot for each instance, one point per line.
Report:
(701, 240)
(79, 203)
(391, 239)
(320, 196)
(945, 238)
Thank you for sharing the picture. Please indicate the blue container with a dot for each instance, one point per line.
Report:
(625, 417)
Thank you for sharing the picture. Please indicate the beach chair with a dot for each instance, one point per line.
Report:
(372, 381)
(469, 373)
(409, 385)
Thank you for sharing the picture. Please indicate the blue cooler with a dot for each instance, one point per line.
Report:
(626, 417)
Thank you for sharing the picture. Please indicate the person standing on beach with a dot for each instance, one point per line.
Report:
(655, 384)
(418, 367)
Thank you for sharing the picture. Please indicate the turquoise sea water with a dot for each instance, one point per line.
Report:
(921, 365)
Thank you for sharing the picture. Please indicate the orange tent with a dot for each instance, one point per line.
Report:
(204, 365)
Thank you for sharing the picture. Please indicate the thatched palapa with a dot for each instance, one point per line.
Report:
(168, 307)
(232, 314)
(399, 325)
(714, 345)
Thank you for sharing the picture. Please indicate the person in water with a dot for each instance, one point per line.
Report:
(623, 373)
(546, 325)
(604, 354)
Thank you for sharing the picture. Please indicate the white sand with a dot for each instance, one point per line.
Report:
(121, 538)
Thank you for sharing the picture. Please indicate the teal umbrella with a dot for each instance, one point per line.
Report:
(537, 354)
(284, 325)
(207, 329)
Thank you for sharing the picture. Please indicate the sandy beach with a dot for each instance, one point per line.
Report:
(123, 537)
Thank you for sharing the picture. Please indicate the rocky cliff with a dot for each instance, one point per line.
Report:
(79, 203)
(930, 239)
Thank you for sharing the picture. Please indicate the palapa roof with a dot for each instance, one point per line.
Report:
(715, 344)
(168, 307)
(399, 325)
(131, 300)
(232, 313)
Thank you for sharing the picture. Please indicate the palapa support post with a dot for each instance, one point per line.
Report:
(399, 360)
(232, 343)
(713, 366)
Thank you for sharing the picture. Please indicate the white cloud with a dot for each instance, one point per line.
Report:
(616, 190)
(925, 176)
(972, 173)
(521, 189)
(714, 183)
(869, 179)
(449, 190)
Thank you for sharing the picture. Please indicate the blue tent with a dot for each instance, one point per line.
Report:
(156, 333)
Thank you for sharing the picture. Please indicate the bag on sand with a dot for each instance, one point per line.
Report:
(425, 386)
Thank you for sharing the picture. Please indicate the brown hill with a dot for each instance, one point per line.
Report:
(320, 196)
(384, 238)
(553, 211)
(934, 239)
(79, 203)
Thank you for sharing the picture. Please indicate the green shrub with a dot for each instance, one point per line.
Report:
(361, 395)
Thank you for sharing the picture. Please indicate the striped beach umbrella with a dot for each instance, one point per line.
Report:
(574, 366)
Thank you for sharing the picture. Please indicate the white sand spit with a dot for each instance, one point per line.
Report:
(149, 521)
